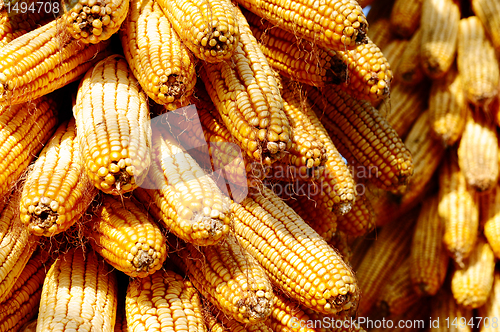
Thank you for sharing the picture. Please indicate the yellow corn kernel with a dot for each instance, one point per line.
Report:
(489, 14)
(409, 70)
(445, 309)
(405, 17)
(57, 190)
(490, 218)
(113, 129)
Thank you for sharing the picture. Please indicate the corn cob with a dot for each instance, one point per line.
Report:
(113, 129)
(163, 301)
(30, 326)
(458, 206)
(447, 315)
(296, 259)
(409, 70)
(405, 17)
(381, 259)
(182, 195)
(340, 243)
(439, 24)
(230, 279)
(335, 24)
(161, 63)
(428, 257)
(57, 191)
(490, 218)
(94, 21)
(381, 33)
(491, 309)
(360, 220)
(489, 14)
(379, 148)
(127, 237)
(447, 108)
(393, 52)
(79, 293)
(216, 321)
(208, 28)
(42, 61)
(20, 304)
(251, 108)
(478, 151)
(359, 247)
(480, 79)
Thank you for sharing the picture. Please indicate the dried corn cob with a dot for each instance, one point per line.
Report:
(379, 144)
(294, 255)
(230, 278)
(478, 151)
(381, 33)
(428, 257)
(472, 284)
(21, 303)
(42, 61)
(79, 292)
(360, 220)
(490, 218)
(405, 17)
(393, 52)
(113, 129)
(127, 237)
(57, 191)
(335, 24)
(246, 94)
(359, 247)
(439, 24)
(183, 195)
(458, 206)
(480, 79)
(165, 301)
(491, 309)
(161, 63)
(208, 28)
(340, 243)
(489, 14)
(409, 70)
(444, 309)
(92, 21)
(216, 321)
(447, 108)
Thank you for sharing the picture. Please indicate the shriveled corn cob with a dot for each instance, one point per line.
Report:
(439, 24)
(409, 70)
(490, 311)
(489, 14)
(42, 61)
(21, 302)
(340, 243)
(335, 24)
(367, 135)
(161, 63)
(79, 292)
(163, 301)
(444, 309)
(247, 96)
(183, 195)
(478, 151)
(360, 220)
(92, 21)
(208, 28)
(113, 129)
(458, 207)
(57, 190)
(480, 79)
(127, 237)
(472, 284)
(447, 108)
(490, 218)
(405, 17)
(428, 257)
(295, 257)
(230, 278)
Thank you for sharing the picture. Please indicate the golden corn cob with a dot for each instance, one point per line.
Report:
(458, 207)
(478, 151)
(472, 284)
(247, 96)
(340, 243)
(480, 79)
(20, 304)
(335, 24)
(79, 292)
(490, 218)
(57, 190)
(491, 309)
(380, 146)
(428, 257)
(163, 301)
(161, 63)
(439, 24)
(393, 52)
(42, 61)
(405, 17)
(230, 278)
(381, 34)
(127, 237)
(208, 28)
(447, 108)
(409, 70)
(216, 321)
(296, 259)
(489, 14)
(382, 258)
(360, 220)
(183, 195)
(113, 129)
(94, 21)
(447, 315)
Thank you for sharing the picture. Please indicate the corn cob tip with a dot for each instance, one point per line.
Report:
(256, 306)
(342, 208)
(42, 214)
